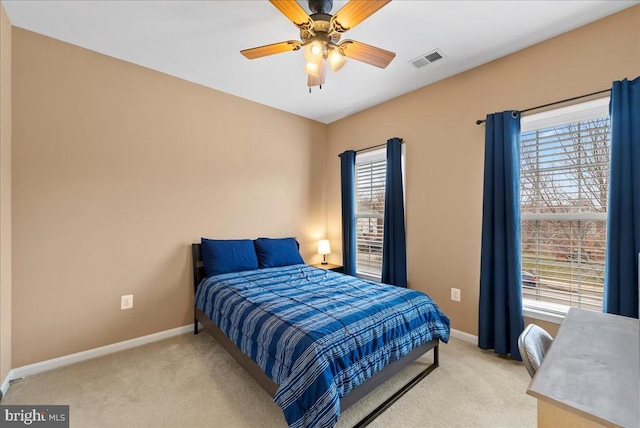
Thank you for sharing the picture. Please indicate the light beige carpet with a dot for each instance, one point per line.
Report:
(190, 381)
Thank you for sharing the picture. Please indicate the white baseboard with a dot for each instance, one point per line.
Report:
(54, 363)
(464, 336)
(66, 360)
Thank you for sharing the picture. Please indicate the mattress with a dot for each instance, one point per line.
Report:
(316, 333)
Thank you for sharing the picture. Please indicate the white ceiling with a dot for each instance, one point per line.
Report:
(200, 41)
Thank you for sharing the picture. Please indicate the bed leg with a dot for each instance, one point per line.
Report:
(195, 325)
(436, 355)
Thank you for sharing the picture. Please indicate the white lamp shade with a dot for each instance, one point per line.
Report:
(324, 247)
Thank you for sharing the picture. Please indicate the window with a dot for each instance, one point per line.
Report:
(371, 168)
(564, 175)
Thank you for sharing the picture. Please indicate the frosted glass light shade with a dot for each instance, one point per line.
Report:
(336, 60)
(312, 69)
(313, 52)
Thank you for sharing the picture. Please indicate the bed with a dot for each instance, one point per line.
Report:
(317, 341)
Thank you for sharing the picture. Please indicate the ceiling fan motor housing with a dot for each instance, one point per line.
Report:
(320, 6)
(320, 31)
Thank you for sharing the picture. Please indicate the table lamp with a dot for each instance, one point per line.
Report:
(324, 248)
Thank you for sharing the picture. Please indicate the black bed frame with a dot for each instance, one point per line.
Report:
(268, 385)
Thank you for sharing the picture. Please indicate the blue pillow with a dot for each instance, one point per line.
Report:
(277, 252)
(224, 256)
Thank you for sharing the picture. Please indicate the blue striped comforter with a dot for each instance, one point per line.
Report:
(318, 334)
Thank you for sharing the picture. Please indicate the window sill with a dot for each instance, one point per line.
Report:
(368, 276)
(544, 311)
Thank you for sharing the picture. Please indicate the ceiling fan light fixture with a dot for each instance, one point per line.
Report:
(312, 69)
(336, 59)
(313, 52)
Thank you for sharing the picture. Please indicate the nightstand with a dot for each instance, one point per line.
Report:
(329, 266)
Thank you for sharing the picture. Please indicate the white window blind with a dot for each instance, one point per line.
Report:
(370, 188)
(564, 176)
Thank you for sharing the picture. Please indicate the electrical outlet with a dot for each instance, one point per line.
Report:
(455, 294)
(126, 302)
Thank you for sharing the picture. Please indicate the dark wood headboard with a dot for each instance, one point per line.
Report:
(198, 266)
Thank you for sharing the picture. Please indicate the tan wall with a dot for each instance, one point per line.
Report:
(5, 194)
(117, 169)
(444, 146)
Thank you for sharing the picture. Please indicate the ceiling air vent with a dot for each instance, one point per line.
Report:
(427, 58)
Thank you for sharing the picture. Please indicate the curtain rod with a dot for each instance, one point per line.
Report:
(374, 147)
(370, 148)
(481, 121)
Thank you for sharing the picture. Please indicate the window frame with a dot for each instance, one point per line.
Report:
(368, 157)
(548, 311)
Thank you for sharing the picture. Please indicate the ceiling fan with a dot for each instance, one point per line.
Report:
(320, 37)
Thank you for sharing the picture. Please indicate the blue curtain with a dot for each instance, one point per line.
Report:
(348, 172)
(623, 220)
(394, 247)
(500, 312)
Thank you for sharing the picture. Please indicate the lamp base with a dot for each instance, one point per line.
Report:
(324, 263)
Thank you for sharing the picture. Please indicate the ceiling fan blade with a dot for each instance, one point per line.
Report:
(319, 79)
(253, 53)
(354, 12)
(366, 53)
(296, 14)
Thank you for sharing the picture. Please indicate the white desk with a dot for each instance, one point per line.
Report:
(591, 375)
